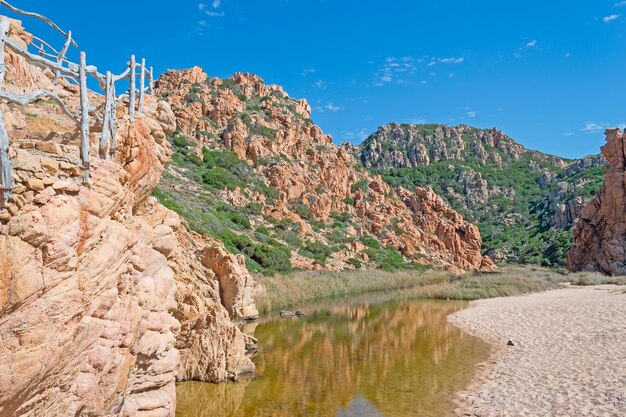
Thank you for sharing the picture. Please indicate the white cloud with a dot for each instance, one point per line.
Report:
(471, 114)
(595, 127)
(216, 4)
(331, 107)
(308, 71)
(214, 14)
(620, 4)
(418, 121)
(610, 18)
(400, 69)
(531, 44)
(319, 84)
(201, 6)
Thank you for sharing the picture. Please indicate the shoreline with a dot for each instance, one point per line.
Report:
(568, 358)
(290, 290)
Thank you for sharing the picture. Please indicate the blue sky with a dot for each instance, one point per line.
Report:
(551, 74)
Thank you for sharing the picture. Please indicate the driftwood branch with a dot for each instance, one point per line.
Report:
(123, 75)
(40, 61)
(6, 181)
(46, 44)
(151, 84)
(84, 117)
(142, 83)
(61, 56)
(131, 92)
(24, 99)
(38, 16)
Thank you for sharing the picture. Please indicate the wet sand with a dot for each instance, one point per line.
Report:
(568, 358)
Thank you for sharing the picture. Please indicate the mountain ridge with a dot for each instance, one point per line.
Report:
(313, 202)
(523, 200)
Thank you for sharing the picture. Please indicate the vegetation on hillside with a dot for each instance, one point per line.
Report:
(193, 187)
(512, 219)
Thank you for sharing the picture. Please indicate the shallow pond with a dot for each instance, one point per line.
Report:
(368, 356)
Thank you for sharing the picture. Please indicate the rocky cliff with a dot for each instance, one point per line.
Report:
(523, 201)
(254, 171)
(600, 231)
(105, 298)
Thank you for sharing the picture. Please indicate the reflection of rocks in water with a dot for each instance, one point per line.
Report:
(200, 399)
(392, 359)
(249, 327)
(360, 407)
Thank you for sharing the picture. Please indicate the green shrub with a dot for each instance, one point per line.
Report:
(220, 179)
(180, 141)
(303, 211)
(355, 262)
(272, 258)
(360, 185)
(317, 251)
(254, 208)
(370, 242)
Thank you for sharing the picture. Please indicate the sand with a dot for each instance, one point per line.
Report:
(569, 357)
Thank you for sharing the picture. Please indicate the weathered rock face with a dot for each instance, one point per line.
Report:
(523, 201)
(569, 192)
(409, 146)
(314, 179)
(600, 231)
(103, 302)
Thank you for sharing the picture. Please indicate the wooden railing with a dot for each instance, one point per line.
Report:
(45, 56)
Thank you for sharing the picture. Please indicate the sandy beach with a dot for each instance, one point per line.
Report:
(568, 358)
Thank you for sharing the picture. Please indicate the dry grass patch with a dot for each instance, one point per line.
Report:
(295, 288)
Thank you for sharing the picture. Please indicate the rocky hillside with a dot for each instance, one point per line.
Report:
(600, 231)
(105, 298)
(523, 201)
(252, 170)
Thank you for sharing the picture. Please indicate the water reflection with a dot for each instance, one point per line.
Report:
(358, 358)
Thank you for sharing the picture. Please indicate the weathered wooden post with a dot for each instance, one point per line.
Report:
(84, 117)
(61, 56)
(106, 120)
(142, 84)
(131, 92)
(151, 84)
(112, 120)
(6, 182)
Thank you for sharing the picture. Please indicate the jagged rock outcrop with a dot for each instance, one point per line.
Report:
(103, 302)
(408, 146)
(313, 179)
(569, 192)
(524, 201)
(600, 231)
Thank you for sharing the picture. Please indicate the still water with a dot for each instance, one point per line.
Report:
(369, 356)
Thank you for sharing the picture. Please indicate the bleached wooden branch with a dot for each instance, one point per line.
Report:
(38, 16)
(84, 119)
(142, 85)
(24, 99)
(44, 43)
(123, 75)
(61, 56)
(5, 25)
(131, 92)
(41, 62)
(6, 181)
(109, 117)
(151, 85)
